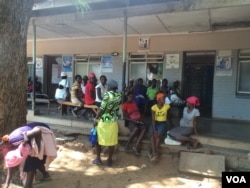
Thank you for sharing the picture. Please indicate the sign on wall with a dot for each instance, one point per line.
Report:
(67, 63)
(144, 43)
(56, 73)
(39, 69)
(172, 61)
(107, 63)
(223, 66)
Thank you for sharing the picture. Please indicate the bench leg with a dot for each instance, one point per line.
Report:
(48, 108)
(63, 109)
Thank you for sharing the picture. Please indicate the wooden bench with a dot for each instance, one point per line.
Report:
(64, 105)
(40, 98)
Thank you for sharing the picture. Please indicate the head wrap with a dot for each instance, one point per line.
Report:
(159, 96)
(193, 100)
(112, 84)
(91, 75)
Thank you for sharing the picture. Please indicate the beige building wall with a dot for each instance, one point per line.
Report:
(224, 96)
(176, 42)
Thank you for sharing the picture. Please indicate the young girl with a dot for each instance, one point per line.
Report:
(159, 124)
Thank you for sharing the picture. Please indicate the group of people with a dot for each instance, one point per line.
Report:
(84, 90)
(145, 96)
(36, 85)
(106, 124)
(32, 146)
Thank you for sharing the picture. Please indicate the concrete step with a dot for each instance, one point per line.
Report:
(235, 152)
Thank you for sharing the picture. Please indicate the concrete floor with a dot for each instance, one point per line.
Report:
(227, 130)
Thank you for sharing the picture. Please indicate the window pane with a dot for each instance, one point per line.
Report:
(244, 77)
(81, 69)
(138, 70)
(95, 68)
(154, 71)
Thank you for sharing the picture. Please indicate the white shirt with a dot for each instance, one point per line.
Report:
(103, 90)
(83, 88)
(62, 93)
(187, 119)
(64, 83)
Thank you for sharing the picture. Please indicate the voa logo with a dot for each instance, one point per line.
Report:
(236, 179)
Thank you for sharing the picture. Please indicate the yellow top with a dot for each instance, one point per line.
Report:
(161, 114)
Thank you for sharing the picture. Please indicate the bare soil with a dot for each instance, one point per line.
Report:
(73, 168)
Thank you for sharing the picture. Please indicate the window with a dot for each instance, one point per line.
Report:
(243, 78)
(147, 66)
(88, 63)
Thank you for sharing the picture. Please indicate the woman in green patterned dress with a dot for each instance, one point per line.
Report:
(106, 122)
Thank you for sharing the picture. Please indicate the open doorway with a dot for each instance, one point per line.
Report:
(198, 74)
(52, 73)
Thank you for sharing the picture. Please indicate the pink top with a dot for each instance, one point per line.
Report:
(16, 157)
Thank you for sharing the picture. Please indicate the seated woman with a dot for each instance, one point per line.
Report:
(77, 95)
(134, 122)
(188, 123)
(159, 124)
(23, 147)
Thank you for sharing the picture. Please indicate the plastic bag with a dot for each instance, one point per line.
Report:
(93, 136)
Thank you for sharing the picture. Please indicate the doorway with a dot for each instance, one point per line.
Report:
(52, 73)
(198, 74)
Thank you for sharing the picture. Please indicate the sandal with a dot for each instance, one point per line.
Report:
(135, 151)
(97, 161)
(154, 159)
(109, 162)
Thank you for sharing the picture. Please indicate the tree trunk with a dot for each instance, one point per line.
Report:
(14, 20)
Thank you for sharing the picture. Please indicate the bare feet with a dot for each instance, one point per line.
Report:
(195, 143)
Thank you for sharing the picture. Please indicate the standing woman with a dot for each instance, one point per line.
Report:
(106, 122)
(159, 113)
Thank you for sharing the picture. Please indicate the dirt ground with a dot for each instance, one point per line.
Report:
(73, 168)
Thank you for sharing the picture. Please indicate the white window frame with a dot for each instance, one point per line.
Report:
(144, 59)
(88, 60)
(243, 58)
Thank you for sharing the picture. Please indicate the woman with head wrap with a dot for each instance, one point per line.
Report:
(188, 123)
(158, 128)
(106, 122)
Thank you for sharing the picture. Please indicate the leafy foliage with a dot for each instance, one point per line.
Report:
(82, 5)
